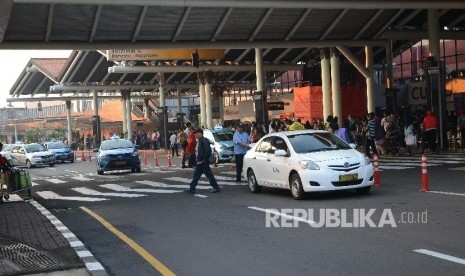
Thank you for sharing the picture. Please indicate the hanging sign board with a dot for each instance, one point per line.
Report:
(275, 106)
(163, 54)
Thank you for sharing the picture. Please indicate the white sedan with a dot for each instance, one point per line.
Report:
(307, 161)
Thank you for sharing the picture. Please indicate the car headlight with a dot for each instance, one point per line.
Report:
(367, 160)
(309, 165)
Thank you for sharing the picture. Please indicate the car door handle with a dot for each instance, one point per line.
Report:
(269, 160)
(254, 157)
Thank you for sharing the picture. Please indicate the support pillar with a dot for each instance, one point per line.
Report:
(164, 119)
(208, 104)
(436, 71)
(325, 83)
(16, 133)
(128, 115)
(68, 120)
(336, 85)
(369, 79)
(96, 120)
(125, 127)
(203, 112)
(389, 62)
(146, 109)
(179, 100)
(261, 110)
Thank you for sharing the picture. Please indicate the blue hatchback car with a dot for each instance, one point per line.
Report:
(117, 154)
(62, 151)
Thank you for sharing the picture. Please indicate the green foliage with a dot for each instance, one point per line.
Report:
(37, 135)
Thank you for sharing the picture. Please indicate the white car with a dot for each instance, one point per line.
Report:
(31, 155)
(307, 161)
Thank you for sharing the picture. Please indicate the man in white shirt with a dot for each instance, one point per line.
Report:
(174, 144)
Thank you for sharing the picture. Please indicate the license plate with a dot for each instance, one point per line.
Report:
(348, 177)
(63, 157)
(120, 163)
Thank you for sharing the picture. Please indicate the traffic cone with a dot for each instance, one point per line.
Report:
(145, 158)
(376, 174)
(424, 174)
(83, 156)
(155, 158)
(169, 160)
(215, 154)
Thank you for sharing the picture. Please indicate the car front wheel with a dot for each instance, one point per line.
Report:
(252, 180)
(297, 190)
(28, 164)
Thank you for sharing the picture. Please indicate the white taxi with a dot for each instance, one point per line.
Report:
(307, 161)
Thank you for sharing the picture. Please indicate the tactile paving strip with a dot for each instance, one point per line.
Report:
(26, 257)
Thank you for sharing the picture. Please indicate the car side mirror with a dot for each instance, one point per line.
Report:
(280, 153)
(352, 145)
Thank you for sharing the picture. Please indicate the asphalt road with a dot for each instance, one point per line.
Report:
(226, 233)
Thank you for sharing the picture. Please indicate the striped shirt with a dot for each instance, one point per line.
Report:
(371, 128)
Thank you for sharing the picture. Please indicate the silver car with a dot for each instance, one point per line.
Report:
(31, 155)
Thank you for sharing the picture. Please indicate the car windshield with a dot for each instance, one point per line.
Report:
(313, 142)
(7, 148)
(57, 145)
(34, 148)
(223, 136)
(116, 144)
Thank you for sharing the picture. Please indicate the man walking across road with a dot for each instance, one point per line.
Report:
(241, 144)
(203, 154)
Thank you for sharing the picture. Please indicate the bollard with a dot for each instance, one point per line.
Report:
(155, 158)
(376, 174)
(215, 154)
(424, 174)
(145, 157)
(83, 156)
(169, 160)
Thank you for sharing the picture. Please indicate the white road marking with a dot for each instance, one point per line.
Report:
(82, 178)
(53, 169)
(407, 164)
(164, 185)
(441, 256)
(34, 184)
(202, 182)
(71, 171)
(87, 191)
(120, 188)
(229, 173)
(54, 180)
(53, 195)
(381, 166)
(201, 196)
(282, 215)
(457, 169)
(446, 193)
(219, 177)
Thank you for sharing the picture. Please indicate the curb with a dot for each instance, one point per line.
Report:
(93, 266)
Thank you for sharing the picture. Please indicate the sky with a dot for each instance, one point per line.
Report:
(12, 62)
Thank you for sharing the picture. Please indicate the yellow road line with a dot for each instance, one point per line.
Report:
(139, 249)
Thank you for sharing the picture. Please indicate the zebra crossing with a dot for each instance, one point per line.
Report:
(413, 162)
(102, 189)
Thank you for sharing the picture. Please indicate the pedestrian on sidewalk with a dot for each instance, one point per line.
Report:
(241, 144)
(174, 144)
(430, 126)
(371, 133)
(203, 155)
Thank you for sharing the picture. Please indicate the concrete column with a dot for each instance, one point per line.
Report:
(68, 120)
(203, 113)
(260, 104)
(16, 134)
(369, 80)
(208, 104)
(259, 69)
(336, 85)
(325, 83)
(162, 90)
(128, 115)
(146, 109)
(179, 100)
(389, 61)
(433, 33)
(125, 127)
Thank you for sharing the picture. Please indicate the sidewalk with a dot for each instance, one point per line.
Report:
(31, 244)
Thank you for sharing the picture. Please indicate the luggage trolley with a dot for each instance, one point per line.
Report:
(14, 180)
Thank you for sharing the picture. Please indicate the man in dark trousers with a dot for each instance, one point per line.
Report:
(203, 153)
(371, 133)
(241, 144)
